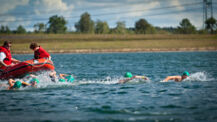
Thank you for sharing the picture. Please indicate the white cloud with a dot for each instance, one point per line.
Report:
(37, 9)
(7, 20)
(7, 5)
(177, 3)
(55, 6)
(142, 6)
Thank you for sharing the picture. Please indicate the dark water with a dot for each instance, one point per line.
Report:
(96, 96)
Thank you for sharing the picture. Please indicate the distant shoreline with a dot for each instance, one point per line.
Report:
(111, 43)
(125, 50)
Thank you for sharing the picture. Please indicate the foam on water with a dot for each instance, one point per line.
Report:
(107, 80)
(199, 76)
(45, 82)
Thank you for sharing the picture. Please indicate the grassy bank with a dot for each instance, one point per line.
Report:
(80, 43)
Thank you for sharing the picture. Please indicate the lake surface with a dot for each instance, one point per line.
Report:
(96, 95)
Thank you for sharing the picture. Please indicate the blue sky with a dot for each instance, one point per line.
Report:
(163, 13)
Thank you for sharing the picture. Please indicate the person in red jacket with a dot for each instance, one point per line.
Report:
(39, 52)
(6, 59)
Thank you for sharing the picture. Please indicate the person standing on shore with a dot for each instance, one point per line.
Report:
(177, 78)
(6, 59)
(39, 52)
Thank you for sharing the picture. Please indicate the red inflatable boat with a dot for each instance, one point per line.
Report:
(23, 68)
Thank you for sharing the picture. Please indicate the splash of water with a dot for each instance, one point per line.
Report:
(199, 76)
(46, 82)
(107, 80)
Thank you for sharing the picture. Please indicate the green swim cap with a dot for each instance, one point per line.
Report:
(185, 73)
(70, 78)
(128, 75)
(62, 80)
(17, 84)
(34, 80)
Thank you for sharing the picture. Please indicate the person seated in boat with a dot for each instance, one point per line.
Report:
(177, 78)
(6, 59)
(61, 78)
(129, 76)
(39, 52)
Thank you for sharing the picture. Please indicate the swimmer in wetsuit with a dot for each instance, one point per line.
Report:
(129, 76)
(62, 77)
(177, 78)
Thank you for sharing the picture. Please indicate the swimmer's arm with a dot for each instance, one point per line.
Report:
(141, 77)
(63, 75)
(25, 83)
(125, 80)
(170, 78)
(33, 76)
(11, 83)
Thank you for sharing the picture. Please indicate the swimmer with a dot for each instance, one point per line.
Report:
(33, 80)
(16, 84)
(62, 77)
(13, 84)
(177, 78)
(129, 77)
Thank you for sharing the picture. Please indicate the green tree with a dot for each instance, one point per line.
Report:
(2, 30)
(21, 30)
(39, 27)
(120, 28)
(202, 31)
(85, 24)
(101, 27)
(211, 25)
(57, 24)
(143, 27)
(7, 30)
(186, 27)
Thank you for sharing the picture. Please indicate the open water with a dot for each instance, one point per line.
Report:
(96, 95)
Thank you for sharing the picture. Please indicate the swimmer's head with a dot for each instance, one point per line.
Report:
(185, 74)
(128, 75)
(17, 84)
(34, 80)
(70, 78)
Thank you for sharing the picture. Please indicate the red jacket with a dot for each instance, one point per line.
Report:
(41, 53)
(8, 57)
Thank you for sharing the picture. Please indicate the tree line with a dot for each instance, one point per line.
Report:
(57, 24)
